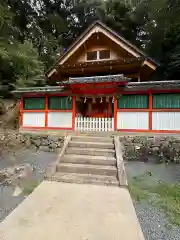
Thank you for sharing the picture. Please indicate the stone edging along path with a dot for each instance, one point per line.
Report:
(120, 163)
(53, 168)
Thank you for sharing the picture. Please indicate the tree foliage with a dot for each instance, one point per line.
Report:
(20, 64)
(34, 32)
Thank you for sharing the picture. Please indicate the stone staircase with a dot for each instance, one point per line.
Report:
(89, 160)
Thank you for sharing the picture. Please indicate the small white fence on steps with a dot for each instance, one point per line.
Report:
(94, 124)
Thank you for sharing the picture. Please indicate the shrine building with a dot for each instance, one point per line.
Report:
(102, 83)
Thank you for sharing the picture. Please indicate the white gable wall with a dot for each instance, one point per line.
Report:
(113, 54)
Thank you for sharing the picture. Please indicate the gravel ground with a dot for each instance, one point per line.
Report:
(153, 221)
(38, 161)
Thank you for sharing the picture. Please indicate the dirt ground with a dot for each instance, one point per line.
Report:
(20, 172)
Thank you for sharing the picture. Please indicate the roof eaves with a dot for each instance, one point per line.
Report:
(154, 82)
(97, 79)
(38, 89)
(154, 85)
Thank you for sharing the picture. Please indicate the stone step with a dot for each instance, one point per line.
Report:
(85, 179)
(92, 139)
(87, 169)
(91, 151)
(95, 133)
(85, 159)
(91, 144)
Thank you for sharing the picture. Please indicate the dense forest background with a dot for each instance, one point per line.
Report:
(34, 32)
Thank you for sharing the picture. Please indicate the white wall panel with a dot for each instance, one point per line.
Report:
(166, 120)
(33, 119)
(60, 119)
(132, 120)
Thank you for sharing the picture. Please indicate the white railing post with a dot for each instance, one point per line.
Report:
(84, 123)
(91, 124)
(109, 124)
(112, 119)
(81, 123)
(88, 122)
(78, 128)
(99, 124)
(103, 125)
(76, 123)
(94, 127)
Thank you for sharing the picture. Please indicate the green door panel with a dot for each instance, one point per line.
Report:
(133, 101)
(59, 103)
(167, 100)
(34, 103)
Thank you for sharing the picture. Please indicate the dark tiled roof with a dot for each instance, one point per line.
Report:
(155, 85)
(50, 89)
(97, 79)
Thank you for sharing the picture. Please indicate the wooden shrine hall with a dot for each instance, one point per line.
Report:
(102, 83)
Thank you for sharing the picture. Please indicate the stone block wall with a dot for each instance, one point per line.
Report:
(151, 148)
(41, 142)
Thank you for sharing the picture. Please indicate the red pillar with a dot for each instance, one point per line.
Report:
(115, 113)
(150, 110)
(73, 112)
(46, 111)
(21, 106)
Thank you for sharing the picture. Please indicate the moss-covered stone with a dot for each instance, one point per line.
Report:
(143, 148)
(8, 140)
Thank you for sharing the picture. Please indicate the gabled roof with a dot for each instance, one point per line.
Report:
(98, 26)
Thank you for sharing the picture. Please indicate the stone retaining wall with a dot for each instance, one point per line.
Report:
(41, 142)
(151, 148)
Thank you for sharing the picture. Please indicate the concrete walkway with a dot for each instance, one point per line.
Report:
(73, 212)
